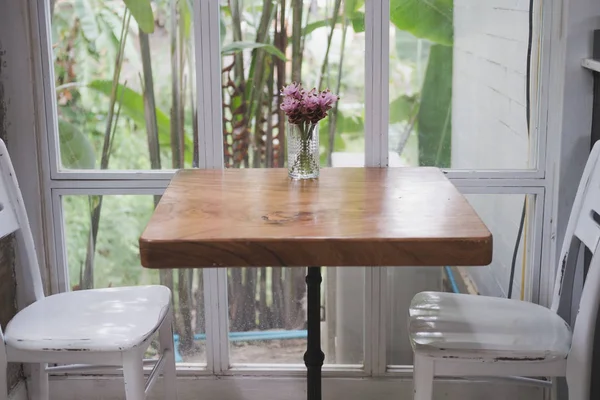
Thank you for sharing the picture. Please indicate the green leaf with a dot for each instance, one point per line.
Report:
(358, 22)
(402, 108)
(185, 16)
(132, 106)
(76, 151)
(352, 6)
(426, 19)
(87, 19)
(226, 10)
(235, 47)
(316, 25)
(435, 111)
(141, 10)
(338, 144)
(349, 123)
(222, 29)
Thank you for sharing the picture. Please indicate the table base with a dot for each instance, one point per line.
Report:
(314, 357)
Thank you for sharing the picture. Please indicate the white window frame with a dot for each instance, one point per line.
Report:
(538, 181)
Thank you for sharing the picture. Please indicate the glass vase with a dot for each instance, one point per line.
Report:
(303, 150)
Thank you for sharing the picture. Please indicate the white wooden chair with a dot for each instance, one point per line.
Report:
(468, 336)
(101, 327)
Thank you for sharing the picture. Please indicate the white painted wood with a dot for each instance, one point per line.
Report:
(579, 362)
(156, 372)
(98, 320)
(3, 367)
(377, 17)
(102, 326)
(464, 335)
(38, 386)
(12, 204)
(581, 225)
(261, 388)
(591, 64)
(449, 325)
(423, 378)
(209, 101)
(221, 340)
(165, 335)
(295, 370)
(208, 83)
(133, 376)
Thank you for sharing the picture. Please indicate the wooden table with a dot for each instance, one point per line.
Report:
(348, 217)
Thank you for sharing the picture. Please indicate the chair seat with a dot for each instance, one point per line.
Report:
(102, 320)
(477, 327)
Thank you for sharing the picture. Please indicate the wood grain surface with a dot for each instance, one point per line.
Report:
(348, 217)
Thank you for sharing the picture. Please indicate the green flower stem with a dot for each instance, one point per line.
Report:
(303, 160)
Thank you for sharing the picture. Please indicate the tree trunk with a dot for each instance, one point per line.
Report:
(200, 317)
(87, 281)
(277, 294)
(334, 112)
(269, 150)
(288, 298)
(236, 298)
(176, 128)
(248, 320)
(325, 64)
(297, 40)
(299, 275)
(264, 317)
(281, 36)
(186, 341)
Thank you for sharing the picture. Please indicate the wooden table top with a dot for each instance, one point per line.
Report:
(348, 217)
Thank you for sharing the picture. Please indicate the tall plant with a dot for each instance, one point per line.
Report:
(431, 20)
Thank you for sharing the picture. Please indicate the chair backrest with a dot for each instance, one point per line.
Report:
(579, 361)
(13, 219)
(582, 227)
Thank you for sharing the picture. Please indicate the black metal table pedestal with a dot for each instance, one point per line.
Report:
(314, 357)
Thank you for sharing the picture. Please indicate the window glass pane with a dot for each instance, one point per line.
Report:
(458, 77)
(113, 260)
(106, 71)
(502, 214)
(267, 311)
(331, 57)
(267, 315)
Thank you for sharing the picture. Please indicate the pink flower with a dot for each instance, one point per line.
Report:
(293, 109)
(326, 99)
(306, 106)
(292, 90)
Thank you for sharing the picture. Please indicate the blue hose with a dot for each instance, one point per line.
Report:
(247, 336)
(452, 280)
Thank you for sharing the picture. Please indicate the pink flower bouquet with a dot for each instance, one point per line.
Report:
(304, 110)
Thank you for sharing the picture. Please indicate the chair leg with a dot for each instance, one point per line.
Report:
(3, 377)
(423, 378)
(133, 374)
(165, 336)
(39, 387)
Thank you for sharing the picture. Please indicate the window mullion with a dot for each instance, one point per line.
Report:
(377, 16)
(376, 155)
(210, 133)
(208, 81)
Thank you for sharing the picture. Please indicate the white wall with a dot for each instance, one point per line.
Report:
(489, 126)
(576, 108)
(489, 114)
